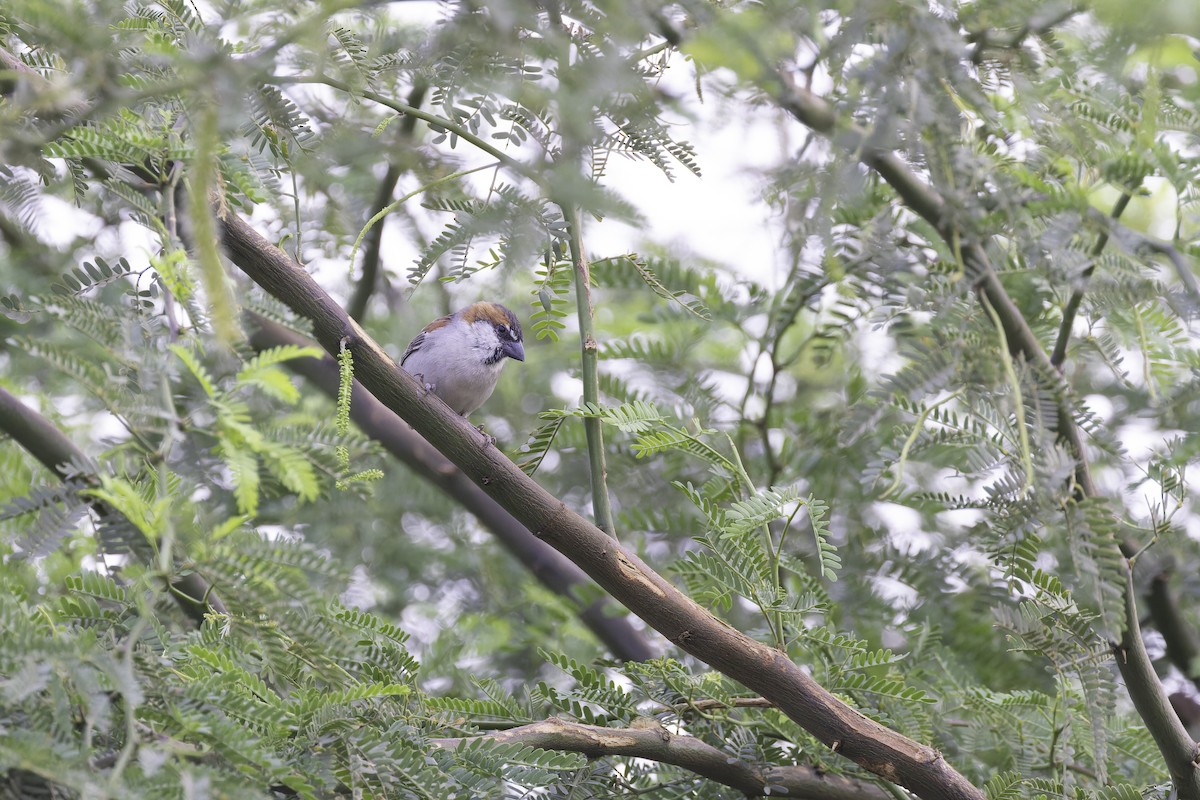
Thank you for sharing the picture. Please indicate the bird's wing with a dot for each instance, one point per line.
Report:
(416, 343)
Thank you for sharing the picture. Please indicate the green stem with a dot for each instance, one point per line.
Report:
(208, 254)
(1019, 401)
(912, 439)
(777, 571)
(1147, 364)
(740, 469)
(129, 704)
(601, 503)
(774, 619)
(383, 212)
(432, 119)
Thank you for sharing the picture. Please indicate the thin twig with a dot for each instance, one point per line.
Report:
(369, 280)
(712, 704)
(432, 119)
(1059, 355)
(1136, 241)
(985, 39)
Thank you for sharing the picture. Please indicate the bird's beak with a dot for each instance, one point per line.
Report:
(514, 350)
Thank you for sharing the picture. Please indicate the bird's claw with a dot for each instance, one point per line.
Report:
(487, 437)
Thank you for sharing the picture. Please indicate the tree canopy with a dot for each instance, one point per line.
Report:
(907, 510)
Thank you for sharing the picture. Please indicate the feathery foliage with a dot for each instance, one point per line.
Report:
(846, 450)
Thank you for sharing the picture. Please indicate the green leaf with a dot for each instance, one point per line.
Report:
(196, 368)
(227, 527)
(292, 468)
(243, 468)
(262, 372)
(123, 496)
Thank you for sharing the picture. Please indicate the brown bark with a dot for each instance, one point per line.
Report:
(647, 738)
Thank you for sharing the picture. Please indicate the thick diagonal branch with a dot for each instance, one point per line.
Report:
(619, 571)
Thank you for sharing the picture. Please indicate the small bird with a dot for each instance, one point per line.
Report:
(459, 357)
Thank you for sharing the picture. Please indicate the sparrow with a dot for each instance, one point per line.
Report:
(459, 357)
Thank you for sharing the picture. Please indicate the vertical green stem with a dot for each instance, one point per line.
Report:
(1018, 401)
(601, 503)
(200, 181)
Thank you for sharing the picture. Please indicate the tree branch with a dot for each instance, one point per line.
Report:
(1041, 22)
(48, 98)
(1183, 644)
(712, 704)
(14, 70)
(922, 198)
(369, 280)
(1059, 354)
(1180, 752)
(1142, 683)
(547, 565)
(1136, 241)
(433, 120)
(619, 571)
(54, 450)
(648, 739)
